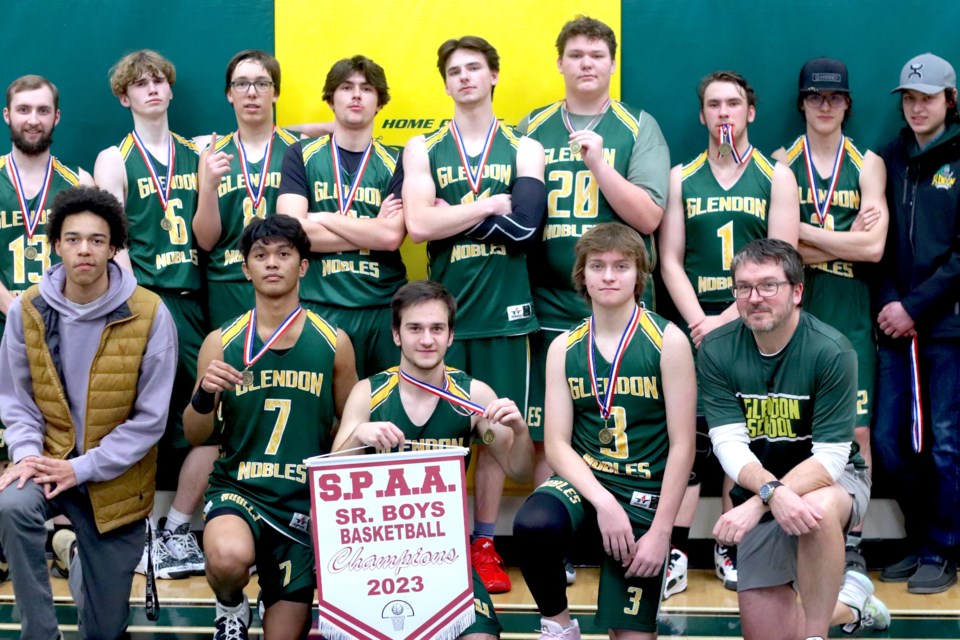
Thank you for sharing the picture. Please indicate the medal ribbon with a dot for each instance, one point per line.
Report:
(443, 393)
(163, 194)
(606, 403)
(725, 133)
(30, 221)
(916, 431)
(822, 208)
(265, 168)
(590, 125)
(248, 356)
(474, 178)
(345, 200)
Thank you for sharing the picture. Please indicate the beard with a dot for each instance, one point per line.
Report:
(31, 148)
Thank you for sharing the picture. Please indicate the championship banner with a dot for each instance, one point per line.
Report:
(391, 545)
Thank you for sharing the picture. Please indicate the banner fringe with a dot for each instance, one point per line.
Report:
(452, 630)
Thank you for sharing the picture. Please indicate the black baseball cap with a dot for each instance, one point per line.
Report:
(824, 74)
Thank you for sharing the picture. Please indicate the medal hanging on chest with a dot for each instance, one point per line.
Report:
(31, 219)
(822, 207)
(345, 195)
(604, 398)
(575, 145)
(249, 357)
(474, 178)
(163, 194)
(256, 198)
(458, 403)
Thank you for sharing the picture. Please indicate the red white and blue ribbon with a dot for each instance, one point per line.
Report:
(162, 193)
(590, 125)
(474, 177)
(726, 133)
(345, 196)
(257, 198)
(457, 401)
(249, 358)
(916, 431)
(605, 400)
(822, 207)
(31, 219)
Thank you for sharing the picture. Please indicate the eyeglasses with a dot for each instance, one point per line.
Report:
(835, 100)
(764, 289)
(241, 86)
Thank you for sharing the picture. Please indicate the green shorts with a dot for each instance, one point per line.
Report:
(227, 300)
(622, 603)
(370, 332)
(286, 568)
(191, 331)
(539, 345)
(854, 320)
(486, 621)
(502, 362)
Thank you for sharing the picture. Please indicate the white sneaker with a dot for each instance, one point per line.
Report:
(183, 545)
(166, 565)
(232, 622)
(676, 581)
(725, 567)
(857, 593)
(64, 546)
(571, 572)
(550, 630)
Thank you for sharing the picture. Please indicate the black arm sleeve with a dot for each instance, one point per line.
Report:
(529, 198)
(293, 175)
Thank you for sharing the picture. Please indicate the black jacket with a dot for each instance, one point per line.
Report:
(921, 261)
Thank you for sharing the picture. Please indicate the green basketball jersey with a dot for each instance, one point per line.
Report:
(845, 203)
(162, 258)
(804, 394)
(271, 426)
(489, 280)
(236, 206)
(637, 456)
(448, 425)
(351, 279)
(28, 257)
(575, 203)
(719, 222)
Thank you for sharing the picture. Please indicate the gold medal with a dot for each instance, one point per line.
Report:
(489, 436)
(246, 377)
(605, 436)
(165, 224)
(575, 146)
(725, 148)
(30, 253)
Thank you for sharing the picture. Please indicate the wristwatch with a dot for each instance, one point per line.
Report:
(766, 490)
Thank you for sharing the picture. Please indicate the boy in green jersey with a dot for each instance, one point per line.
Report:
(239, 178)
(473, 190)
(779, 393)
(843, 226)
(153, 172)
(606, 161)
(345, 189)
(620, 433)
(727, 196)
(278, 377)
(389, 412)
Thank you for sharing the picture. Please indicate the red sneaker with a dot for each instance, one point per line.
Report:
(489, 566)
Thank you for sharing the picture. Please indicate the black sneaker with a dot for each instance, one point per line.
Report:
(4, 566)
(933, 576)
(900, 571)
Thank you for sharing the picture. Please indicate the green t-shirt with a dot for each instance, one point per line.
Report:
(271, 426)
(788, 401)
(161, 249)
(353, 279)
(719, 222)
(636, 458)
(633, 145)
(236, 205)
(489, 281)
